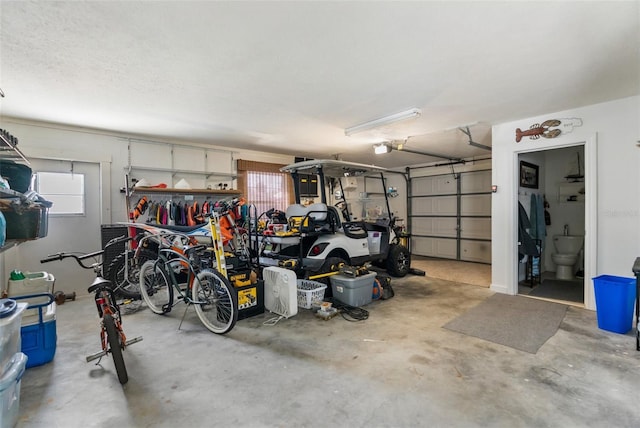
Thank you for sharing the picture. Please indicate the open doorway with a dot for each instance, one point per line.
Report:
(551, 220)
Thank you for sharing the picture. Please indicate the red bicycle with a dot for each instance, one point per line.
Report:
(112, 338)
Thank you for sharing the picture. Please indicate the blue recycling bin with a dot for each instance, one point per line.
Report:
(615, 298)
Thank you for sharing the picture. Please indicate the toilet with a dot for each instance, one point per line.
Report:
(567, 249)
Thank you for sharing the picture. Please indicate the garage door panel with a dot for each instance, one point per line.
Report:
(434, 226)
(439, 185)
(475, 251)
(434, 247)
(475, 182)
(475, 205)
(452, 218)
(476, 228)
(441, 205)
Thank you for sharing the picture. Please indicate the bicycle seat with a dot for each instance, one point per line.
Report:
(98, 283)
(183, 228)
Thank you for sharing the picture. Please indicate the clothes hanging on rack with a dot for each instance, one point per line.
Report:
(541, 226)
(178, 213)
(538, 230)
(526, 244)
(547, 215)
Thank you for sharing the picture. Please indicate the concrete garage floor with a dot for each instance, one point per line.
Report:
(399, 368)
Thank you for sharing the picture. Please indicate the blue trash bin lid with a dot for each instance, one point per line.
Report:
(7, 307)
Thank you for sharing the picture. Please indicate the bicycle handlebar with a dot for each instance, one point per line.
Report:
(52, 257)
(79, 259)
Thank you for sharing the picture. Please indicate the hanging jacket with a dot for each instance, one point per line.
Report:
(526, 244)
(541, 227)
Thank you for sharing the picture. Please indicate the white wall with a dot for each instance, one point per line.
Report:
(61, 142)
(610, 132)
(110, 150)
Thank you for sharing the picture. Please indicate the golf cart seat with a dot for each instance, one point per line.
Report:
(309, 219)
(355, 229)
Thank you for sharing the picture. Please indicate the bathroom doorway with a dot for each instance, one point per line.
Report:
(551, 224)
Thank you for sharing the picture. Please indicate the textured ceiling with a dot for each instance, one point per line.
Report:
(288, 77)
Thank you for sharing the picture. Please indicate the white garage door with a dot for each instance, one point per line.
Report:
(451, 216)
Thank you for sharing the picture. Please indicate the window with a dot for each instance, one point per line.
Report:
(64, 189)
(264, 185)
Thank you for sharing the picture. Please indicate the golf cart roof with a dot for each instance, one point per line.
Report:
(333, 168)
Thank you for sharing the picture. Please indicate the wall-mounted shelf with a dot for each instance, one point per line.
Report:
(173, 191)
(8, 193)
(26, 219)
(206, 174)
(571, 193)
(8, 148)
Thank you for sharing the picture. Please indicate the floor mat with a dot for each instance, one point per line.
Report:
(518, 322)
(571, 291)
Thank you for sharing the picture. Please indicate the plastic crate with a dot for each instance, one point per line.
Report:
(10, 340)
(10, 382)
(308, 291)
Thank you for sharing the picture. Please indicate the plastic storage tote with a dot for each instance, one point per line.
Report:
(10, 320)
(356, 291)
(10, 390)
(615, 297)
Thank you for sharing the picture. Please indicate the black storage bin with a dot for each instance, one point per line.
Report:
(18, 175)
(108, 232)
(29, 223)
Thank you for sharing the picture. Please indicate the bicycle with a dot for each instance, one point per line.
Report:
(123, 271)
(112, 338)
(209, 291)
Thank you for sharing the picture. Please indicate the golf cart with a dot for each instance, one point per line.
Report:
(314, 238)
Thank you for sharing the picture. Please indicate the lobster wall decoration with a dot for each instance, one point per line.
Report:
(549, 128)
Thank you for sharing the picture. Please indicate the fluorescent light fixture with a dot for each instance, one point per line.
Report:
(382, 148)
(404, 115)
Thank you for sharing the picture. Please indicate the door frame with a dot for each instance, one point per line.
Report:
(590, 208)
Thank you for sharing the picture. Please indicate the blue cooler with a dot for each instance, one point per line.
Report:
(38, 332)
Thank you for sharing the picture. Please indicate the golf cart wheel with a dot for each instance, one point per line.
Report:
(398, 260)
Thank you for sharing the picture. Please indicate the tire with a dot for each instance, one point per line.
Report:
(155, 288)
(216, 301)
(127, 284)
(398, 260)
(115, 347)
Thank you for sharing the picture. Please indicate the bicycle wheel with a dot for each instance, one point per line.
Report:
(115, 347)
(155, 288)
(216, 301)
(124, 270)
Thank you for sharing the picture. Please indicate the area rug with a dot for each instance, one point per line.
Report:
(571, 291)
(518, 322)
